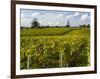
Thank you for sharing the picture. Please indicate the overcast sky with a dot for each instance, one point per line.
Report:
(54, 18)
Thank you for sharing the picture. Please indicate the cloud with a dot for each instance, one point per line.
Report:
(26, 22)
(57, 23)
(85, 16)
(35, 14)
(76, 14)
(54, 18)
(51, 19)
(59, 16)
(73, 15)
(70, 16)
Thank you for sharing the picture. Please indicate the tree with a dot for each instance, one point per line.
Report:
(88, 25)
(68, 25)
(35, 23)
(85, 26)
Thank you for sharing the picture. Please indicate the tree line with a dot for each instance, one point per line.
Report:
(35, 24)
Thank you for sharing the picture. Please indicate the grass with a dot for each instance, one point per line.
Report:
(45, 46)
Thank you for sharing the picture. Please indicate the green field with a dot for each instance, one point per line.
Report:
(44, 31)
(54, 47)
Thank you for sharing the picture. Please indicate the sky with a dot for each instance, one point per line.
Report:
(54, 17)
